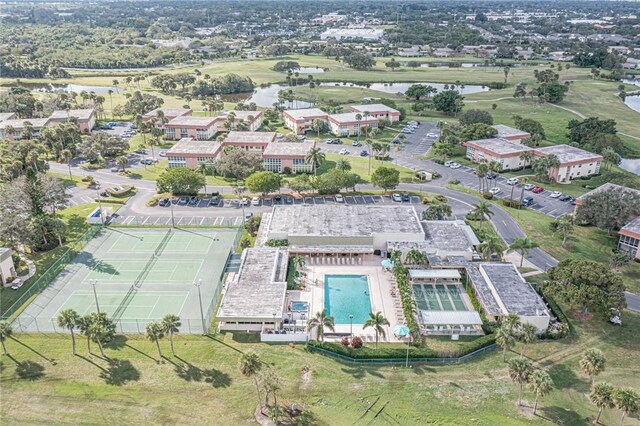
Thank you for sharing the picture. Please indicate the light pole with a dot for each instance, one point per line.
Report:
(198, 284)
(239, 190)
(351, 325)
(100, 205)
(95, 295)
(173, 223)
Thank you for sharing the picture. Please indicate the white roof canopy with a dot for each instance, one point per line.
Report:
(450, 318)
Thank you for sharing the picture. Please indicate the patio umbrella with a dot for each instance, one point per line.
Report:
(401, 330)
(387, 263)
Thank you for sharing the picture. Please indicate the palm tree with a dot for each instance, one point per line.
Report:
(317, 125)
(523, 244)
(626, 400)
(592, 363)
(377, 321)
(492, 245)
(343, 165)
(69, 319)
(320, 322)
(84, 324)
(526, 157)
(481, 172)
(171, 325)
(602, 397)
(65, 157)
(541, 384)
(155, 332)
(523, 182)
(528, 334)
(5, 332)
(316, 157)
(205, 168)
(96, 332)
(115, 84)
(298, 263)
(520, 370)
(416, 257)
(358, 119)
(110, 92)
(511, 322)
(249, 366)
(564, 225)
(122, 161)
(505, 339)
(482, 210)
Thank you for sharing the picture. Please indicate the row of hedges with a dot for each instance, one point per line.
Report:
(401, 352)
(109, 201)
(511, 203)
(560, 331)
(408, 305)
(124, 190)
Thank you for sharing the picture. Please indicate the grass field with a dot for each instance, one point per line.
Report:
(43, 382)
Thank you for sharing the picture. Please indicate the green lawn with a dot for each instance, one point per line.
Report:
(44, 383)
(360, 166)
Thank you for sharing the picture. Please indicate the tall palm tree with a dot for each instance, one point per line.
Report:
(205, 168)
(320, 322)
(481, 172)
(541, 384)
(505, 339)
(5, 332)
(317, 125)
(171, 325)
(377, 321)
(491, 245)
(528, 334)
(84, 324)
(96, 332)
(626, 400)
(122, 161)
(249, 366)
(65, 157)
(69, 319)
(520, 370)
(592, 363)
(523, 182)
(482, 210)
(522, 244)
(358, 119)
(416, 257)
(526, 157)
(316, 157)
(155, 332)
(602, 397)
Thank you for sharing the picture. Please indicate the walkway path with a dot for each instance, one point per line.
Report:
(29, 262)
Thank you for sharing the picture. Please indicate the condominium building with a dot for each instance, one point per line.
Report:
(510, 134)
(379, 111)
(347, 124)
(189, 153)
(301, 120)
(574, 162)
(85, 118)
(167, 113)
(283, 156)
(502, 151)
(188, 126)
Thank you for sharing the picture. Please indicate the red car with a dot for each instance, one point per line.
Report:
(537, 190)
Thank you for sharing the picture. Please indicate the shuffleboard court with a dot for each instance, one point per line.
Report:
(139, 275)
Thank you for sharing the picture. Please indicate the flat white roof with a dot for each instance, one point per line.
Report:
(299, 114)
(351, 117)
(499, 146)
(80, 114)
(506, 131)
(373, 108)
(194, 147)
(569, 154)
(18, 123)
(298, 149)
(190, 120)
(434, 273)
(249, 137)
(450, 318)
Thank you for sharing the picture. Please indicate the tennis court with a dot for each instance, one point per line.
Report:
(438, 297)
(139, 275)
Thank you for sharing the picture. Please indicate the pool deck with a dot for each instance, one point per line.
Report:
(380, 297)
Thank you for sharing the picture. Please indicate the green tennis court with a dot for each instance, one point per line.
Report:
(149, 241)
(128, 271)
(151, 306)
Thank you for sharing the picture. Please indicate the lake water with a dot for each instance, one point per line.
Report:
(633, 102)
(632, 165)
(267, 96)
(309, 70)
(395, 88)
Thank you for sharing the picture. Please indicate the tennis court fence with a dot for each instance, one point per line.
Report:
(50, 274)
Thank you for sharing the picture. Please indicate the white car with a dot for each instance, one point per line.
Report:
(529, 187)
(255, 201)
(432, 135)
(244, 201)
(339, 198)
(495, 190)
(555, 194)
(343, 151)
(513, 181)
(448, 163)
(396, 197)
(455, 165)
(162, 153)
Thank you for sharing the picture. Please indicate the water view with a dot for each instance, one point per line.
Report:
(395, 88)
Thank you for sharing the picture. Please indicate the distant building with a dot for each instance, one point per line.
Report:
(511, 134)
(574, 162)
(85, 118)
(629, 240)
(7, 268)
(301, 120)
(168, 113)
(7, 115)
(379, 111)
(500, 150)
(12, 129)
(368, 34)
(347, 124)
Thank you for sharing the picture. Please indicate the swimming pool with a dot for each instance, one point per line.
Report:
(346, 295)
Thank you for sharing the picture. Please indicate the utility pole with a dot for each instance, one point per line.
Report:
(198, 284)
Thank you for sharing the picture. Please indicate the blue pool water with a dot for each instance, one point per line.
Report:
(346, 295)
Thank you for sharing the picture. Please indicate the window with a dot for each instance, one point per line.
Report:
(202, 134)
(183, 133)
(170, 132)
(203, 159)
(272, 164)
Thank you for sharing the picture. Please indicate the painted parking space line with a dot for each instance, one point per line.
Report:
(349, 199)
(318, 200)
(157, 220)
(237, 221)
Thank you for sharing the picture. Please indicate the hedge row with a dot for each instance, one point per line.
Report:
(401, 352)
(406, 292)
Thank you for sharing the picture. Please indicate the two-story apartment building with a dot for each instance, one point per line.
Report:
(250, 141)
(168, 113)
(189, 153)
(188, 126)
(85, 118)
(510, 134)
(13, 129)
(288, 156)
(347, 124)
(301, 120)
(503, 151)
(379, 111)
(574, 162)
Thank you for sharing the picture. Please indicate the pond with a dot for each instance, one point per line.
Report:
(395, 88)
(309, 70)
(633, 102)
(77, 88)
(266, 97)
(465, 64)
(631, 164)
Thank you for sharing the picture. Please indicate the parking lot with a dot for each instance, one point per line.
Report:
(542, 202)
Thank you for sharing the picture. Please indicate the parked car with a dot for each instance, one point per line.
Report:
(396, 197)
(255, 201)
(448, 163)
(339, 198)
(529, 186)
(277, 199)
(244, 201)
(527, 201)
(343, 151)
(555, 194)
(183, 201)
(288, 199)
(115, 169)
(248, 215)
(406, 198)
(214, 201)
(455, 165)
(162, 153)
(164, 202)
(364, 153)
(492, 175)
(495, 190)
(513, 181)
(356, 143)
(193, 201)
(141, 151)
(564, 197)
(537, 190)
(147, 161)
(573, 201)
